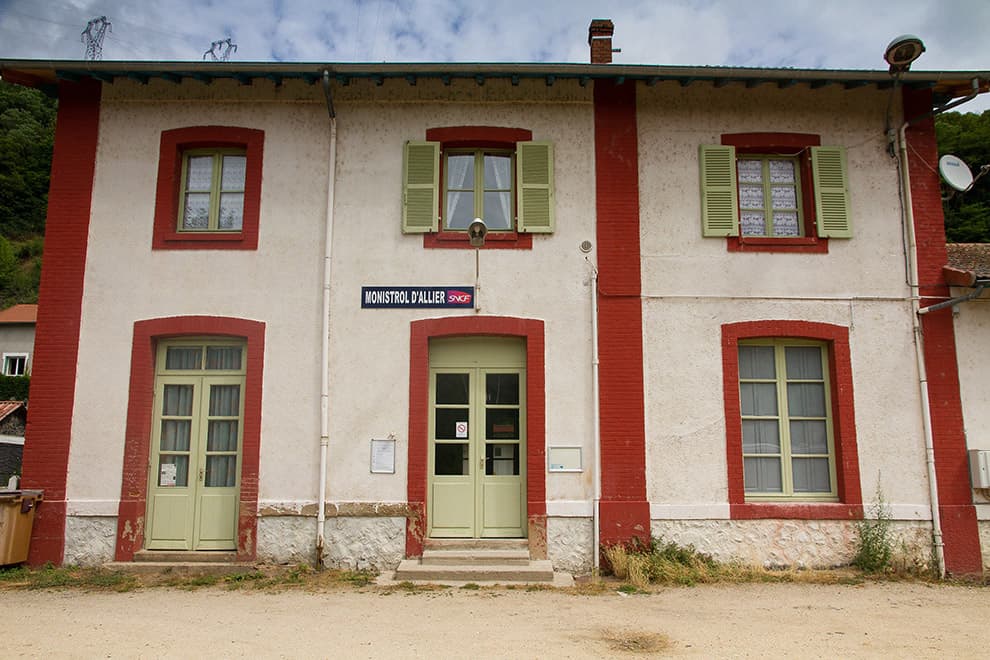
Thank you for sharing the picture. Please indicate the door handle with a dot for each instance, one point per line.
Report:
(201, 475)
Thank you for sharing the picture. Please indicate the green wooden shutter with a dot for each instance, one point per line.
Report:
(828, 164)
(534, 187)
(719, 203)
(420, 187)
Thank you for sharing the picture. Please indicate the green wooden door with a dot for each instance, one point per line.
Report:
(477, 459)
(194, 483)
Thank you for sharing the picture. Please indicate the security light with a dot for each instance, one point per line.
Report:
(477, 231)
(902, 51)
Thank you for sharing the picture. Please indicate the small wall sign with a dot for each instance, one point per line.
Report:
(383, 456)
(564, 459)
(399, 297)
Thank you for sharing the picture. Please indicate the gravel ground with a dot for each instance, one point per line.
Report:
(872, 620)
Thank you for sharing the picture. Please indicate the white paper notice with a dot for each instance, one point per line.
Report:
(460, 429)
(383, 456)
(167, 475)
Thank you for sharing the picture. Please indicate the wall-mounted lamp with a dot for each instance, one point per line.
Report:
(902, 52)
(477, 231)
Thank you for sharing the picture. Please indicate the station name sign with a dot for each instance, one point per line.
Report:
(397, 297)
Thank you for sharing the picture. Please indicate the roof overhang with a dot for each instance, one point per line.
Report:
(45, 74)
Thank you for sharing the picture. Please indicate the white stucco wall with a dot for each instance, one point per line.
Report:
(972, 326)
(692, 286)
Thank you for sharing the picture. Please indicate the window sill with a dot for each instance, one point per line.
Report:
(796, 511)
(458, 240)
(204, 240)
(810, 245)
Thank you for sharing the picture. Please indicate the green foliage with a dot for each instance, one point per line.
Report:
(875, 548)
(967, 135)
(20, 271)
(27, 131)
(14, 388)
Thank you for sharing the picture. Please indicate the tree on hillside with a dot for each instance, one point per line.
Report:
(967, 135)
(27, 127)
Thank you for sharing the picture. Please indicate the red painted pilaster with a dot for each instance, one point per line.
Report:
(625, 511)
(56, 343)
(960, 531)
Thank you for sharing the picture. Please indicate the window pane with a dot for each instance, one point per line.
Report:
(750, 171)
(498, 210)
(782, 171)
(501, 459)
(502, 423)
(232, 177)
(460, 172)
(452, 388)
(498, 172)
(231, 211)
(221, 471)
(758, 398)
(752, 223)
(223, 357)
(225, 400)
(199, 173)
(446, 422)
(803, 362)
(811, 475)
(183, 357)
(761, 436)
(502, 389)
(784, 197)
(181, 471)
(806, 399)
(450, 459)
(222, 435)
(460, 210)
(809, 437)
(785, 223)
(177, 401)
(175, 435)
(750, 197)
(756, 362)
(196, 213)
(762, 475)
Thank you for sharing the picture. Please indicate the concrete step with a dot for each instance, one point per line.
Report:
(476, 544)
(207, 556)
(179, 568)
(434, 557)
(413, 570)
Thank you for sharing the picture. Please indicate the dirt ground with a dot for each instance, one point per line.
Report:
(890, 620)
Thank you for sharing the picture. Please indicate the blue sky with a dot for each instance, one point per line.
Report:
(845, 34)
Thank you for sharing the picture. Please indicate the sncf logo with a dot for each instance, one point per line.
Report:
(458, 298)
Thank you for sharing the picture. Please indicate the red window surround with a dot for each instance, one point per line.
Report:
(476, 137)
(850, 505)
(174, 142)
(788, 144)
(419, 409)
(137, 433)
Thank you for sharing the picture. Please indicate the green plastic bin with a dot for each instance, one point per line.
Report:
(17, 509)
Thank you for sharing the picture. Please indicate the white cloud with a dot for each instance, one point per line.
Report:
(845, 34)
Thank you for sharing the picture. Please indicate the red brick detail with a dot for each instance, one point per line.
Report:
(467, 137)
(56, 344)
(137, 434)
(787, 144)
(850, 505)
(174, 142)
(960, 531)
(421, 332)
(624, 508)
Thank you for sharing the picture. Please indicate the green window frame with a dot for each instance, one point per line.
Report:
(770, 201)
(488, 189)
(787, 428)
(212, 201)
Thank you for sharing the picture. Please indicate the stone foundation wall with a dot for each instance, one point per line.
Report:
(89, 540)
(790, 543)
(569, 544)
(984, 526)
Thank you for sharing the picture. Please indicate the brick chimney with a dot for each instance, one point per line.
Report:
(600, 39)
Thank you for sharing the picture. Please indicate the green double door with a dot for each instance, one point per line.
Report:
(194, 484)
(477, 462)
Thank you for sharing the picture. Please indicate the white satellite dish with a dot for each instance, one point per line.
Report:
(955, 172)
